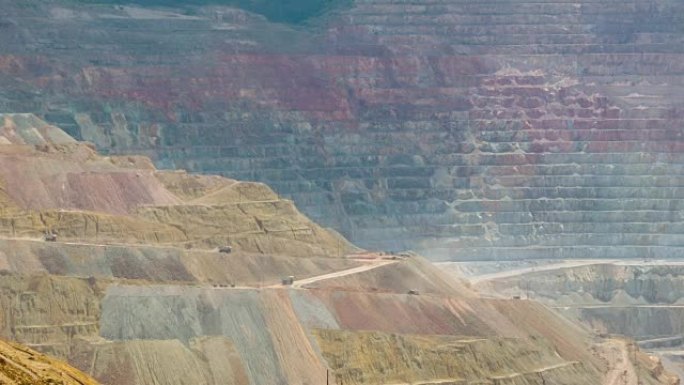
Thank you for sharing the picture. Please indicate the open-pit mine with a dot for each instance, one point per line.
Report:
(341, 192)
(140, 276)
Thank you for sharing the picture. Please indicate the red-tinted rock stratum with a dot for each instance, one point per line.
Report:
(463, 129)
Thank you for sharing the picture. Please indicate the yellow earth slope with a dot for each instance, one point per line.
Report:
(22, 366)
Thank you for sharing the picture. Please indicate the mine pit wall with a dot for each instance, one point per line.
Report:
(131, 323)
(69, 190)
(160, 315)
(153, 334)
(266, 327)
(459, 129)
(599, 297)
(385, 358)
(638, 322)
(640, 301)
(55, 299)
(47, 313)
(156, 264)
(597, 283)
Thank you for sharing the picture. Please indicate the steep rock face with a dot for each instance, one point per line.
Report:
(602, 282)
(462, 129)
(642, 301)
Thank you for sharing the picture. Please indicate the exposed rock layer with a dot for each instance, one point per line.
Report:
(134, 292)
(68, 189)
(463, 129)
(640, 300)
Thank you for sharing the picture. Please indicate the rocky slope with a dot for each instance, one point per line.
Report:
(50, 186)
(637, 299)
(21, 366)
(134, 291)
(463, 129)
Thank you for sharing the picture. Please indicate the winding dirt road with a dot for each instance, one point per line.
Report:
(359, 269)
(534, 269)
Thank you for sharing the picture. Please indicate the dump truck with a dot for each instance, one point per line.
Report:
(50, 237)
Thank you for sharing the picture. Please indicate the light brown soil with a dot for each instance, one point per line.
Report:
(22, 366)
